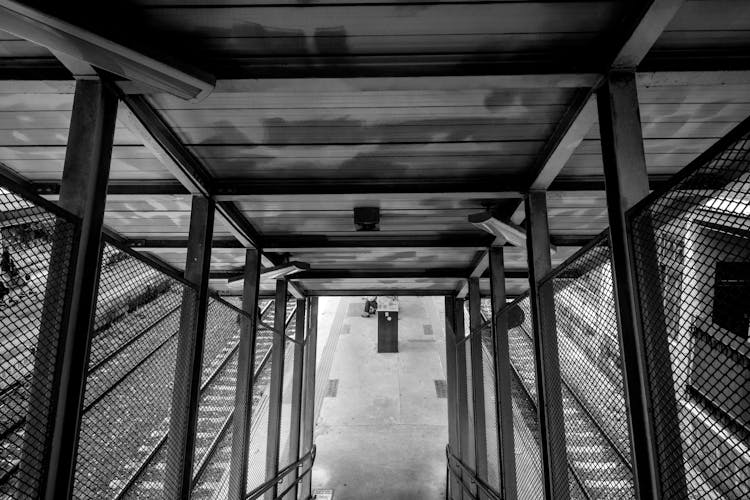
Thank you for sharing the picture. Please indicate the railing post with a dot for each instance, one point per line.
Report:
(296, 410)
(243, 402)
(465, 396)
(188, 367)
(549, 384)
(454, 488)
(308, 401)
(62, 352)
(503, 396)
(477, 382)
(276, 390)
(626, 180)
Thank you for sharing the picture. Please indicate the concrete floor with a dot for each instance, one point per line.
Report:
(383, 435)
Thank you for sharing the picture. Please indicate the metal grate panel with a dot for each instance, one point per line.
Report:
(130, 373)
(691, 245)
(38, 244)
(332, 389)
(441, 389)
(595, 419)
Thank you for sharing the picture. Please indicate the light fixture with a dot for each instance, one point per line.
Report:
(502, 231)
(283, 270)
(367, 218)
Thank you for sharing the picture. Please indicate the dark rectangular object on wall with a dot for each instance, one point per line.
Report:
(387, 331)
(732, 297)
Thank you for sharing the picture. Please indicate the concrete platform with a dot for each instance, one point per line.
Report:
(383, 434)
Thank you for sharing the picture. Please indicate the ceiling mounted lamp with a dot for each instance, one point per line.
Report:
(367, 218)
(504, 232)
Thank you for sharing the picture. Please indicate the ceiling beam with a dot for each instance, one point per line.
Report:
(365, 274)
(631, 44)
(164, 187)
(322, 243)
(231, 189)
(167, 187)
(313, 242)
(79, 43)
(374, 292)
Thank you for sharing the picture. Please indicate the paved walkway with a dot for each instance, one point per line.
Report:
(383, 435)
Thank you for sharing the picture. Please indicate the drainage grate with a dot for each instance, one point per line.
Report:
(323, 494)
(333, 388)
(441, 389)
(346, 329)
(427, 329)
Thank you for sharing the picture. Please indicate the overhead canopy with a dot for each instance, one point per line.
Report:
(429, 111)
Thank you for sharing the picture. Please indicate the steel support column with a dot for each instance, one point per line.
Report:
(187, 378)
(454, 487)
(296, 410)
(62, 353)
(243, 402)
(503, 397)
(477, 381)
(549, 389)
(308, 399)
(276, 390)
(465, 394)
(626, 180)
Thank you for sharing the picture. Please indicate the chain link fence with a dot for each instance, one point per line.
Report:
(130, 374)
(38, 242)
(595, 417)
(691, 246)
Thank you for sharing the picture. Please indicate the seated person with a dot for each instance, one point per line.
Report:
(371, 307)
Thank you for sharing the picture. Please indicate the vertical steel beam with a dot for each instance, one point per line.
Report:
(62, 353)
(503, 397)
(296, 410)
(243, 402)
(626, 181)
(465, 395)
(308, 401)
(451, 376)
(549, 384)
(276, 390)
(191, 335)
(477, 381)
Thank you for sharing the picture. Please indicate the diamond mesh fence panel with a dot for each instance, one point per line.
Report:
(38, 243)
(286, 399)
(256, 468)
(212, 478)
(490, 399)
(130, 373)
(524, 396)
(595, 418)
(691, 245)
(216, 405)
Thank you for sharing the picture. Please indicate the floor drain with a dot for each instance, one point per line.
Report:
(323, 494)
(333, 388)
(346, 329)
(441, 389)
(427, 329)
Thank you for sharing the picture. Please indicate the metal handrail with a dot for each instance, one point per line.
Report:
(279, 478)
(475, 480)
